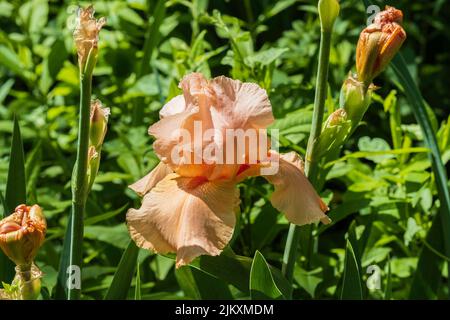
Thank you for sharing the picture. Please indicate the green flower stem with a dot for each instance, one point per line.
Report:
(311, 167)
(79, 179)
(28, 277)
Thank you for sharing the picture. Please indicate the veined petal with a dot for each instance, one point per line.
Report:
(189, 216)
(242, 104)
(294, 195)
(145, 184)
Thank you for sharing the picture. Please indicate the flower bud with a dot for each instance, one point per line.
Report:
(355, 99)
(86, 33)
(337, 118)
(98, 123)
(22, 234)
(334, 133)
(378, 44)
(328, 12)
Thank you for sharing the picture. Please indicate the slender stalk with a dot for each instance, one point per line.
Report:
(79, 179)
(311, 164)
(28, 277)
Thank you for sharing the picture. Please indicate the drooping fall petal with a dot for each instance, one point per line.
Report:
(294, 195)
(145, 184)
(189, 216)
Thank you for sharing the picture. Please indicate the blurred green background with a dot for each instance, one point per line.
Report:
(387, 201)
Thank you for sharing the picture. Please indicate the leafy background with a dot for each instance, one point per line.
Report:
(381, 191)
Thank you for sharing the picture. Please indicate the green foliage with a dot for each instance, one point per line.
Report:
(351, 282)
(262, 285)
(15, 193)
(125, 270)
(16, 186)
(385, 191)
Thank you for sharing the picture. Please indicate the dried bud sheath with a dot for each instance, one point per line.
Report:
(86, 34)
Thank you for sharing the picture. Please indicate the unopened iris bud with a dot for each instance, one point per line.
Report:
(328, 12)
(334, 133)
(22, 234)
(378, 44)
(337, 118)
(86, 34)
(355, 99)
(98, 123)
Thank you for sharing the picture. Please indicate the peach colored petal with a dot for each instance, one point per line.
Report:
(145, 184)
(189, 216)
(167, 132)
(242, 104)
(294, 195)
(174, 148)
(174, 106)
(247, 171)
(198, 94)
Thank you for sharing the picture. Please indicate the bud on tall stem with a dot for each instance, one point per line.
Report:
(355, 99)
(98, 124)
(86, 35)
(328, 12)
(86, 40)
(378, 44)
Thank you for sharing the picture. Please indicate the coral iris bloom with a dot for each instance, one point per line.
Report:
(190, 207)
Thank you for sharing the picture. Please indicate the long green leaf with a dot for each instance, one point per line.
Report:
(388, 290)
(15, 192)
(61, 288)
(235, 270)
(124, 274)
(262, 285)
(351, 283)
(137, 291)
(198, 284)
(3, 209)
(420, 112)
(6, 266)
(428, 275)
(16, 185)
(32, 170)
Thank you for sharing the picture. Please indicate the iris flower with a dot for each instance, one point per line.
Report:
(189, 208)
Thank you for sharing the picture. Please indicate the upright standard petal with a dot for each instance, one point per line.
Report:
(244, 105)
(174, 106)
(189, 216)
(294, 195)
